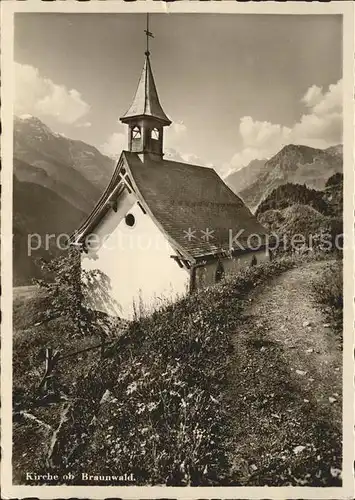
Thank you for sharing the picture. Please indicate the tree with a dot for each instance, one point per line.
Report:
(334, 180)
(68, 289)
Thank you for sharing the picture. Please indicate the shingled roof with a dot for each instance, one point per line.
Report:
(184, 197)
(146, 100)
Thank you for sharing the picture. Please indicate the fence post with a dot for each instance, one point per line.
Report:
(50, 363)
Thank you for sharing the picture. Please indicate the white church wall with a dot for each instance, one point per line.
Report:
(137, 261)
(111, 219)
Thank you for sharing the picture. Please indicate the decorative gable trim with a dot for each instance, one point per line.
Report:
(122, 179)
(108, 201)
(141, 207)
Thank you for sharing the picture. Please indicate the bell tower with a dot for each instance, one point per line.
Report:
(145, 118)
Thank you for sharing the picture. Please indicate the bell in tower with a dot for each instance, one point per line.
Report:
(145, 118)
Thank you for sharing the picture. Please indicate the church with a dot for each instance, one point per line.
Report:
(164, 228)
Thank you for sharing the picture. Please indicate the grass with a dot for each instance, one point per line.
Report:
(328, 292)
(167, 418)
(28, 307)
(156, 405)
(32, 334)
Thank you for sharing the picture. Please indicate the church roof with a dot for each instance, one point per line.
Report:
(189, 199)
(146, 101)
(183, 199)
(196, 211)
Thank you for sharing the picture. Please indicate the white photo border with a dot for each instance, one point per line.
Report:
(8, 9)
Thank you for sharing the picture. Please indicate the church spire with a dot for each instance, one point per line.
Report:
(146, 101)
(145, 118)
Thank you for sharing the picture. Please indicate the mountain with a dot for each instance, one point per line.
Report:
(38, 212)
(79, 193)
(295, 164)
(57, 181)
(335, 150)
(289, 194)
(241, 179)
(73, 169)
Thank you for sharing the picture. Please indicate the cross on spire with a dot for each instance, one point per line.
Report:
(148, 34)
(146, 102)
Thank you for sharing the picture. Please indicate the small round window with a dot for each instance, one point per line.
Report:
(130, 220)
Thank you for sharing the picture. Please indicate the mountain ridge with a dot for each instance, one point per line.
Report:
(293, 163)
(32, 224)
(72, 176)
(73, 163)
(57, 182)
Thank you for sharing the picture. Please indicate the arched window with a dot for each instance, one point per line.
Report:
(136, 132)
(155, 134)
(219, 272)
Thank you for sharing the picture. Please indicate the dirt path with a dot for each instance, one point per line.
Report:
(286, 386)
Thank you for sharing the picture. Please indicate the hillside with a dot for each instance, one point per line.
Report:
(333, 194)
(62, 180)
(241, 179)
(293, 164)
(294, 209)
(57, 182)
(76, 171)
(224, 387)
(38, 210)
(319, 231)
(289, 194)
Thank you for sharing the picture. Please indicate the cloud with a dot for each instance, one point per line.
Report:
(323, 126)
(178, 128)
(173, 155)
(320, 127)
(261, 133)
(114, 145)
(261, 139)
(176, 137)
(41, 97)
(83, 125)
(177, 145)
(192, 158)
(313, 95)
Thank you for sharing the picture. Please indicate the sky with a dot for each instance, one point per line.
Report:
(237, 87)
